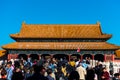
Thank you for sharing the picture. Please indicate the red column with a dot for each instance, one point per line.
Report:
(28, 55)
(51, 56)
(92, 56)
(104, 57)
(39, 57)
(113, 56)
(15, 56)
(81, 57)
(8, 56)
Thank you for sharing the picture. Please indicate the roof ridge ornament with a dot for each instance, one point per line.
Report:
(98, 22)
(23, 23)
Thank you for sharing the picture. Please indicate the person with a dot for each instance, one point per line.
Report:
(17, 75)
(90, 73)
(52, 66)
(105, 75)
(40, 62)
(87, 60)
(59, 74)
(72, 62)
(84, 64)
(39, 72)
(27, 73)
(63, 68)
(98, 70)
(9, 71)
(74, 76)
(77, 62)
(49, 76)
(116, 76)
(3, 74)
(81, 71)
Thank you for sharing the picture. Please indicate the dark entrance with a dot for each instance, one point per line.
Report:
(61, 56)
(22, 56)
(99, 57)
(45, 56)
(34, 56)
(87, 56)
(75, 56)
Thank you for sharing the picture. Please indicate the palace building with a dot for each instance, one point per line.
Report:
(61, 41)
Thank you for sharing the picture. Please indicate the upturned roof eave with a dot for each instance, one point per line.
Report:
(14, 36)
(61, 46)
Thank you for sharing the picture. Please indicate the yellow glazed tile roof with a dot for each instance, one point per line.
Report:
(117, 52)
(2, 52)
(60, 31)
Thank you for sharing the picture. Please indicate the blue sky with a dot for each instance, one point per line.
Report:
(14, 12)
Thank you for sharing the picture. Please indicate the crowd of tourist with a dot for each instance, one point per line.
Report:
(53, 69)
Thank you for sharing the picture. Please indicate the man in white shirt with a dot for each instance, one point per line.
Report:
(81, 71)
